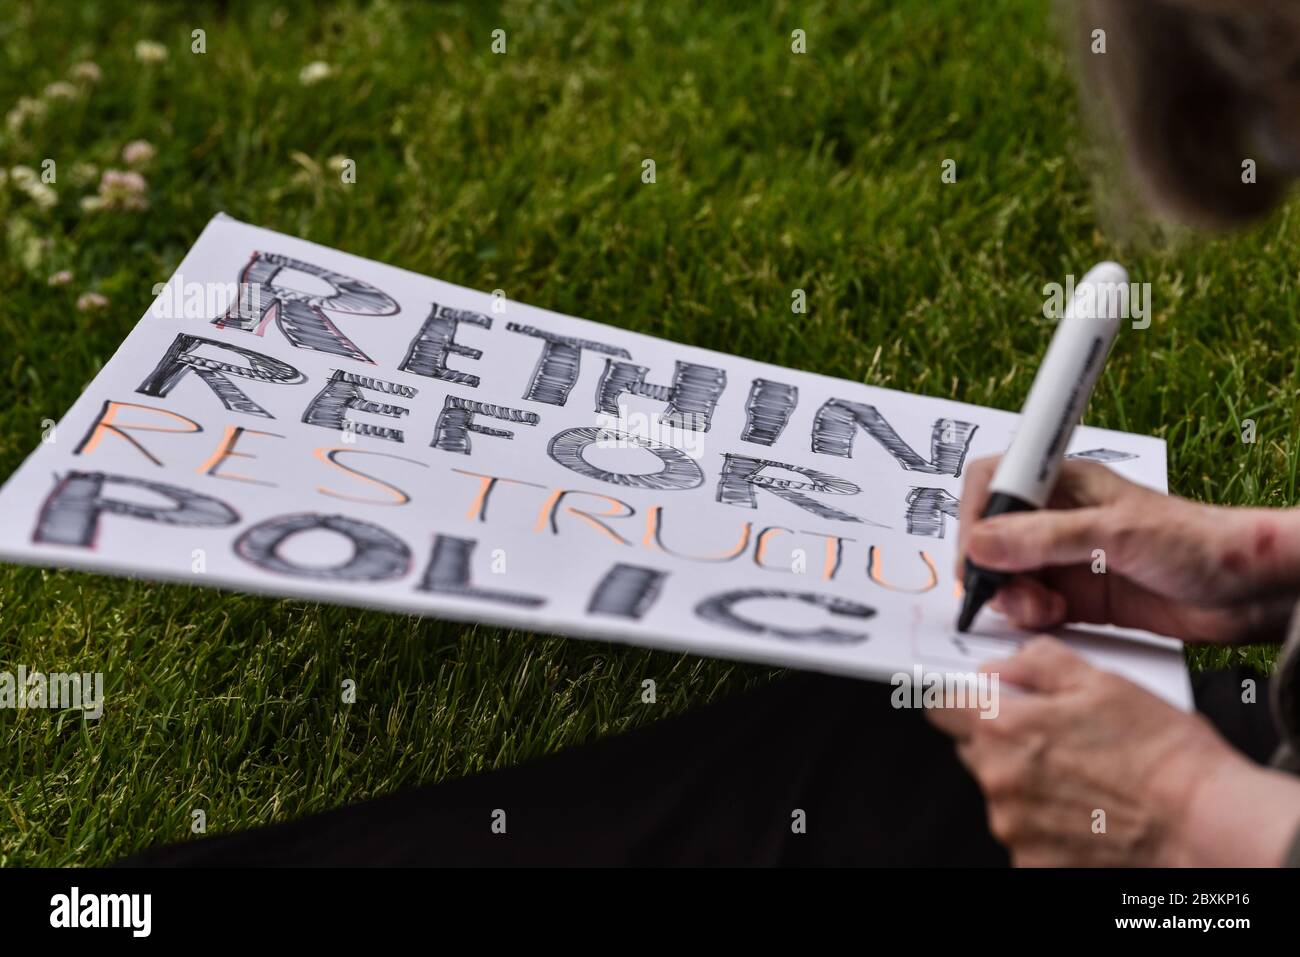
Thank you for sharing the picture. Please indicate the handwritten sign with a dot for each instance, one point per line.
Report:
(292, 420)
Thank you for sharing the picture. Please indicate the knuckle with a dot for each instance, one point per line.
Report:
(1040, 648)
(1075, 479)
(1007, 726)
(1107, 686)
(1004, 823)
(1003, 781)
(1128, 534)
(1093, 480)
(1097, 692)
(995, 734)
(1034, 856)
(1073, 475)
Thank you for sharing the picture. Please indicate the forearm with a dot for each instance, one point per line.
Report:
(1260, 548)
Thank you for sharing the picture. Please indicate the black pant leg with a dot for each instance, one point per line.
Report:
(1247, 724)
(722, 785)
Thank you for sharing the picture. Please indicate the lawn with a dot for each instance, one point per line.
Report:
(522, 171)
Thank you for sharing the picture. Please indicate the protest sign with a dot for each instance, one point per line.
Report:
(292, 420)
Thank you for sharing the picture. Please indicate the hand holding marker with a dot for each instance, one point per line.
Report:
(1061, 389)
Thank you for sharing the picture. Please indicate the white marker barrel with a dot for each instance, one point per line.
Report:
(1063, 385)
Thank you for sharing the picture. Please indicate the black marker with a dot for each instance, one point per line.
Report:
(1061, 389)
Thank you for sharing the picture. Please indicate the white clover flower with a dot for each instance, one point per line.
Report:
(88, 301)
(87, 72)
(150, 51)
(138, 152)
(61, 90)
(30, 248)
(118, 189)
(126, 182)
(27, 181)
(26, 108)
(41, 194)
(61, 278)
(314, 73)
(83, 173)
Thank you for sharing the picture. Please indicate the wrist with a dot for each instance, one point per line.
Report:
(1238, 814)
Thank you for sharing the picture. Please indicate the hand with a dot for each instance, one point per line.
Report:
(1172, 791)
(1197, 572)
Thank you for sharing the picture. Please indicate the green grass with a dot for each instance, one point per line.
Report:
(774, 171)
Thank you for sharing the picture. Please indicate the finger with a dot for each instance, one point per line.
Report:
(1081, 483)
(1041, 854)
(974, 496)
(1043, 664)
(1051, 831)
(1028, 541)
(1113, 599)
(1030, 604)
(957, 723)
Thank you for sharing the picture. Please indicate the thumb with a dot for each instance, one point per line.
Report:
(1027, 541)
(1042, 664)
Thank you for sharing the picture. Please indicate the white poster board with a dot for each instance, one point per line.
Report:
(293, 420)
